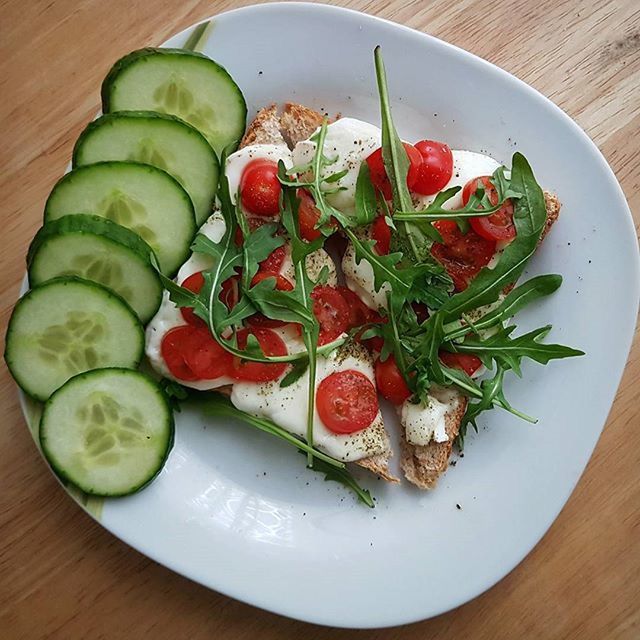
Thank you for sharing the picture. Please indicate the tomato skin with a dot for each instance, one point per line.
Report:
(282, 284)
(271, 344)
(346, 402)
(260, 188)
(390, 382)
(192, 353)
(171, 352)
(359, 313)
(194, 283)
(466, 362)
(308, 216)
(274, 261)
(332, 312)
(378, 172)
(230, 292)
(436, 168)
(381, 233)
(462, 255)
(498, 226)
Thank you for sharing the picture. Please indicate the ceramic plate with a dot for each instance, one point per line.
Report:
(239, 512)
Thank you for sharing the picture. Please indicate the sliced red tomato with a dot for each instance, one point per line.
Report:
(171, 349)
(282, 284)
(308, 216)
(497, 226)
(260, 188)
(436, 167)
(192, 353)
(390, 382)
(378, 172)
(346, 401)
(359, 312)
(272, 345)
(194, 283)
(462, 255)
(381, 233)
(230, 292)
(274, 261)
(466, 362)
(332, 312)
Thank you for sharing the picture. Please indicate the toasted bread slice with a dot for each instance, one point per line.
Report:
(264, 129)
(298, 122)
(422, 465)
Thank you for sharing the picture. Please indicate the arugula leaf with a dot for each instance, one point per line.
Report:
(509, 351)
(514, 301)
(174, 392)
(343, 477)
(396, 163)
(296, 372)
(529, 217)
(217, 405)
(366, 200)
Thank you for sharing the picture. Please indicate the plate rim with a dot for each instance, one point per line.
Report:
(634, 285)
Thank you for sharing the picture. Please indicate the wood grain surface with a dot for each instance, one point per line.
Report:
(63, 576)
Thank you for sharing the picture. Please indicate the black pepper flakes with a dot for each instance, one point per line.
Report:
(458, 507)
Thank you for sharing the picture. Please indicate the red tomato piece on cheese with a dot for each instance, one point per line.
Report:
(462, 255)
(436, 167)
(466, 362)
(271, 344)
(332, 312)
(497, 226)
(260, 188)
(378, 172)
(390, 382)
(346, 401)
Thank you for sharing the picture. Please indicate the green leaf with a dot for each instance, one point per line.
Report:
(296, 372)
(529, 217)
(366, 200)
(343, 477)
(510, 351)
(514, 301)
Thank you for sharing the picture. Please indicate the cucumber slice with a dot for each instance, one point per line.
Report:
(97, 249)
(108, 431)
(182, 83)
(66, 326)
(160, 140)
(137, 196)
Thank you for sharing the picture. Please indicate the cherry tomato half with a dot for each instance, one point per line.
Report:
(192, 353)
(390, 382)
(194, 283)
(272, 345)
(274, 261)
(466, 362)
(462, 255)
(381, 233)
(308, 216)
(260, 188)
(378, 172)
(436, 168)
(346, 401)
(282, 284)
(359, 312)
(497, 226)
(332, 312)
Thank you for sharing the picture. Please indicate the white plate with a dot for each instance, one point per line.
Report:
(240, 514)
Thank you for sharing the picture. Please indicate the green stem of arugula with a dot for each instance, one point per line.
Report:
(196, 35)
(428, 215)
(311, 395)
(476, 393)
(272, 428)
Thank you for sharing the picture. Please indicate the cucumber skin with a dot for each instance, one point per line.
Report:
(103, 227)
(170, 440)
(142, 115)
(64, 280)
(125, 61)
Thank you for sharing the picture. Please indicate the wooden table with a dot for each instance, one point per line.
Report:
(63, 576)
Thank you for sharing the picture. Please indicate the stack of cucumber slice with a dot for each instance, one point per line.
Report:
(144, 178)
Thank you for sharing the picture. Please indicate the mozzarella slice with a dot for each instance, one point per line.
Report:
(351, 141)
(288, 406)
